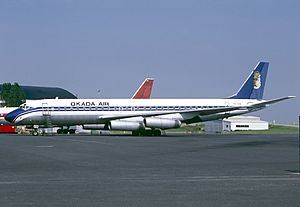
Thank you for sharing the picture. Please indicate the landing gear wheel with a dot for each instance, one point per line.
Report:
(59, 131)
(156, 133)
(153, 132)
(72, 131)
(35, 133)
(65, 131)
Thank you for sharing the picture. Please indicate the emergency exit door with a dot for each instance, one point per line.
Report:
(45, 109)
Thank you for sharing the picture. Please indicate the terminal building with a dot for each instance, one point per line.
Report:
(236, 123)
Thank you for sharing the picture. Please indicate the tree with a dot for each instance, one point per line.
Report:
(12, 94)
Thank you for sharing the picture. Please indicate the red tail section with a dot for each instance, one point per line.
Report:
(144, 91)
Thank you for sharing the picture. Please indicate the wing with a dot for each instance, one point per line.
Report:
(195, 112)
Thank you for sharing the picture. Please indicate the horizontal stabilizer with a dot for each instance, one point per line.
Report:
(265, 103)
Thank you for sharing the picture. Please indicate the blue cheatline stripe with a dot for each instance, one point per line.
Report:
(27, 112)
(115, 108)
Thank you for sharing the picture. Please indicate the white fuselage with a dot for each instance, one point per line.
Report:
(98, 111)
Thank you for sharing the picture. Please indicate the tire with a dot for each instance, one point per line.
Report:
(59, 131)
(65, 131)
(35, 133)
(156, 133)
(72, 131)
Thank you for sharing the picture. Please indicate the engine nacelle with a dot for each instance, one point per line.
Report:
(161, 123)
(94, 126)
(126, 125)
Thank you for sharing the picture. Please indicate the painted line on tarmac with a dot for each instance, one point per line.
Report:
(46, 146)
(242, 178)
(77, 140)
(163, 179)
(214, 178)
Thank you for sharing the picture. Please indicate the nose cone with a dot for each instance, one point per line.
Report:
(12, 116)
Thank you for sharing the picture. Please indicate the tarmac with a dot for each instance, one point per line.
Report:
(202, 170)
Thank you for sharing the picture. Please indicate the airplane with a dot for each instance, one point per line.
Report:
(143, 92)
(146, 116)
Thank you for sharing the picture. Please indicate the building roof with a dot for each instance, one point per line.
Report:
(36, 92)
(244, 119)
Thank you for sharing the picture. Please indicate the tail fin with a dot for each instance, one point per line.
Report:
(144, 91)
(253, 88)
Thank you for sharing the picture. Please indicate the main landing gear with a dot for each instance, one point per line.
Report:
(65, 131)
(153, 132)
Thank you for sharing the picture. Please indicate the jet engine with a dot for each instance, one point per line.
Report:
(161, 123)
(94, 126)
(126, 125)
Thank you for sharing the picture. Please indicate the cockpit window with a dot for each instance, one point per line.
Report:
(24, 106)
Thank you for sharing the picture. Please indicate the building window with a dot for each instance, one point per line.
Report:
(242, 126)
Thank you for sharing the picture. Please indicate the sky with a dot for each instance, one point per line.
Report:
(192, 48)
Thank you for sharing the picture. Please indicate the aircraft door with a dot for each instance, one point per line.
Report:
(45, 109)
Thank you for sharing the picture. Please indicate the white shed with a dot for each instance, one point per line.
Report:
(237, 123)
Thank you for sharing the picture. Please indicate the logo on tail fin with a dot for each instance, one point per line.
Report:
(256, 80)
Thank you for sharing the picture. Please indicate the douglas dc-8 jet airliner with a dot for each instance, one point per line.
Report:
(145, 116)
